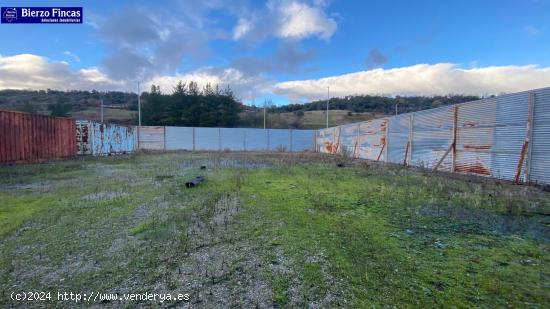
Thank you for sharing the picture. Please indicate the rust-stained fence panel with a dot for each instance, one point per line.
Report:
(398, 138)
(372, 140)
(151, 138)
(33, 138)
(104, 139)
(432, 134)
(505, 137)
(328, 140)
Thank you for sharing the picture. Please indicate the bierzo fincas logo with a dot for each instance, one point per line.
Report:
(41, 15)
(9, 14)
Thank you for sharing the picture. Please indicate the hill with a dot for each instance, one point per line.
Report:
(121, 107)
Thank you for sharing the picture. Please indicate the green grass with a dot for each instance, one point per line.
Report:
(109, 114)
(300, 232)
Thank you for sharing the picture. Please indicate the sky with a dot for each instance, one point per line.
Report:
(288, 51)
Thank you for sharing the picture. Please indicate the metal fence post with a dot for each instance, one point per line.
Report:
(455, 138)
(530, 129)
(411, 136)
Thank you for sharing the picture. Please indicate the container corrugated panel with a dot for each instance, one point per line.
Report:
(279, 140)
(33, 138)
(106, 139)
(372, 139)
(398, 137)
(207, 139)
(179, 138)
(539, 165)
(151, 138)
(303, 140)
(232, 139)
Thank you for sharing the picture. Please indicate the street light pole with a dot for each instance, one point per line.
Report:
(265, 103)
(328, 99)
(139, 107)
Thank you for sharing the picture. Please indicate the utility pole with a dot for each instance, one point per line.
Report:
(265, 103)
(139, 107)
(101, 110)
(328, 99)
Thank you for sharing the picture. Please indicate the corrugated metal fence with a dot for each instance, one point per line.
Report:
(221, 139)
(103, 139)
(33, 138)
(506, 137)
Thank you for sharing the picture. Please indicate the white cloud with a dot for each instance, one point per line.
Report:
(244, 86)
(242, 28)
(299, 20)
(421, 79)
(285, 19)
(27, 71)
(71, 55)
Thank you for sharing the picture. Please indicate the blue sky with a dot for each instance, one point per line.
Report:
(289, 51)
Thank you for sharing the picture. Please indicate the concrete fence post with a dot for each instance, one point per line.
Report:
(219, 139)
(387, 139)
(244, 140)
(193, 138)
(290, 139)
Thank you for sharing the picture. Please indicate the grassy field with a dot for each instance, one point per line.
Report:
(317, 119)
(109, 114)
(270, 230)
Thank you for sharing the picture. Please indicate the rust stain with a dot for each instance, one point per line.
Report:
(470, 124)
(331, 147)
(477, 147)
(474, 168)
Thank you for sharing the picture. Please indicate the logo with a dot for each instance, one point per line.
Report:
(41, 15)
(9, 14)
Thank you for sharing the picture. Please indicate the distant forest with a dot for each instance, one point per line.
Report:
(378, 104)
(188, 105)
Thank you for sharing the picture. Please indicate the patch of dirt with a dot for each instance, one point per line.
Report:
(220, 269)
(104, 196)
(39, 186)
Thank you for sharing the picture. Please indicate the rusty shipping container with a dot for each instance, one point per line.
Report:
(35, 138)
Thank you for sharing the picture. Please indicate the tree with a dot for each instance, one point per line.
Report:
(60, 109)
(187, 106)
(27, 108)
